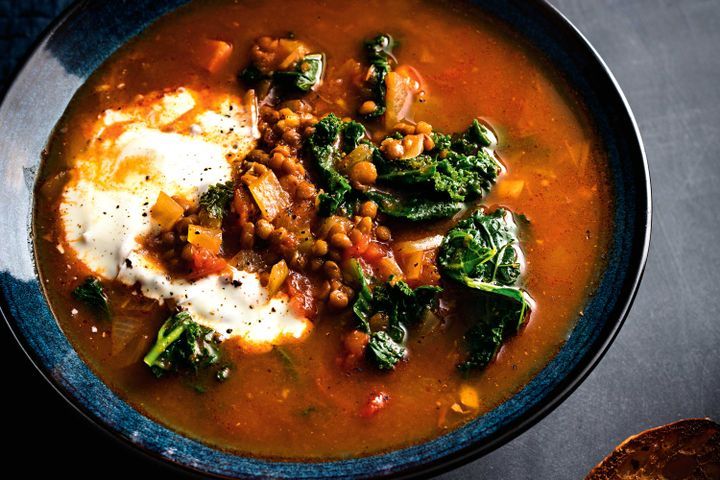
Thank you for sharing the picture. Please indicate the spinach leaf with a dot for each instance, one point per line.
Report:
(378, 52)
(415, 209)
(92, 294)
(325, 146)
(481, 253)
(216, 200)
(401, 305)
(182, 345)
(305, 76)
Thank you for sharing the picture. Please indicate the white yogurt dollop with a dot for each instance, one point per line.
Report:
(168, 145)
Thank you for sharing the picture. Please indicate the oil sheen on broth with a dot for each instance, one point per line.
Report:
(301, 400)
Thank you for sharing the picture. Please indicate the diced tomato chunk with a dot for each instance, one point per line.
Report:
(376, 402)
(244, 205)
(358, 248)
(300, 291)
(205, 263)
(374, 252)
(354, 344)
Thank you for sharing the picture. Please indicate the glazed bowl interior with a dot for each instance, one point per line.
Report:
(91, 31)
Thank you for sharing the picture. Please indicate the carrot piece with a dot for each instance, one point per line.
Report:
(213, 54)
(412, 264)
(210, 238)
(166, 211)
(359, 248)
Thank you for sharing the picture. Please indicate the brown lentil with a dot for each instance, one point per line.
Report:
(263, 228)
(367, 107)
(332, 270)
(340, 240)
(320, 248)
(369, 209)
(305, 191)
(365, 225)
(338, 299)
(383, 233)
(423, 127)
(363, 173)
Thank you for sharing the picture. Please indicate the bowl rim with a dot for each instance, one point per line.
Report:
(475, 450)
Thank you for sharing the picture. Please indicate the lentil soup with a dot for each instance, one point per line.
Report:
(298, 236)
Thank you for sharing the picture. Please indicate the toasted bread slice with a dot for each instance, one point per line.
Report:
(688, 449)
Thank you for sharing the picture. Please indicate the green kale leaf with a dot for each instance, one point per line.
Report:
(305, 76)
(378, 52)
(353, 133)
(481, 253)
(501, 319)
(414, 209)
(92, 294)
(251, 76)
(325, 146)
(384, 351)
(216, 200)
(459, 168)
(402, 306)
(475, 138)
(182, 345)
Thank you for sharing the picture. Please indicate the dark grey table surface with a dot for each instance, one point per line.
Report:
(664, 364)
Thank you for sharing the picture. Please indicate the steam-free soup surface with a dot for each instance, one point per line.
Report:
(300, 400)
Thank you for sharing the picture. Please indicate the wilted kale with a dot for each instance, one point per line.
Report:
(305, 76)
(325, 146)
(481, 253)
(216, 200)
(414, 209)
(251, 76)
(183, 345)
(352, 135)
(402, 306)
(378, 52)
(457, 169)
(384, 351)
(500, 318)
(472, 140)
(92, 294)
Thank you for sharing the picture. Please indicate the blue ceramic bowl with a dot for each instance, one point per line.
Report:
(90, 31)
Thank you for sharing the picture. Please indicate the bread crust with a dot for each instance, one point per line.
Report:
(687, 449)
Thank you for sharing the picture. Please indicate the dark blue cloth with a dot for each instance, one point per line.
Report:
(21, 22)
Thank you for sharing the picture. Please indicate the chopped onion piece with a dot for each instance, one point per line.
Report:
(278, 275)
